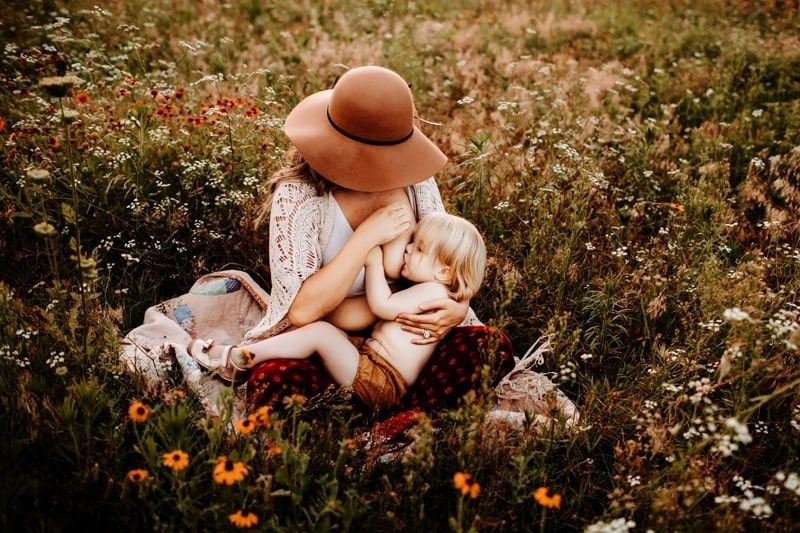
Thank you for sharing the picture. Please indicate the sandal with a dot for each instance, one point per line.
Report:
(222, 365)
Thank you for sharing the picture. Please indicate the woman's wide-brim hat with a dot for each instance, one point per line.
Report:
(361, 135)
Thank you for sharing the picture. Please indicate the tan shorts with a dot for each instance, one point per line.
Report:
(377, 383)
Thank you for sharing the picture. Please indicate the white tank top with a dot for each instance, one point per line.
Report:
(341, 232)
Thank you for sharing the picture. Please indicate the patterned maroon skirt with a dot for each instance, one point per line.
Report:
(454, 368)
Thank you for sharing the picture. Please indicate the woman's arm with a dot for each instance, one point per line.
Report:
(393, 254)
(324, 290)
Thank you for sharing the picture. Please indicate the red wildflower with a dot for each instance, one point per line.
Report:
(81, 98)
(122, 91)
(2, 124)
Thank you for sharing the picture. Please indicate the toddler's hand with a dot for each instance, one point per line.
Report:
(387, 223)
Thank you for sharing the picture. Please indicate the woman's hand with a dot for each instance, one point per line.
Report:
(386, 223)
(436, 318)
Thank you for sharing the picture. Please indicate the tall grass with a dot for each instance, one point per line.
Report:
(633, 167)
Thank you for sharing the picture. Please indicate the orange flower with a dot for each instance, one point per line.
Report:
(137, 475)
(546, 498)
(177, 460)
(677, 207)
(246, 425)
(274, 451)
(227, 472)
(138, 412)
(243, 519)
(81, 98)
(178, 393)
(468, 486)
(262, 417)
(350, 444)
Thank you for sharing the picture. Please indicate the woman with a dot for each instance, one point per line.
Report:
(356, 151)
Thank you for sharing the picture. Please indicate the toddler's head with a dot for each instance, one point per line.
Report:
(458, 246)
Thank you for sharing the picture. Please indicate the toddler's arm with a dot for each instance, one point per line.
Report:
(393, 254)
(386, 305)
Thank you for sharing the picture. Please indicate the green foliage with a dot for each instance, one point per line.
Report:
(633, 167)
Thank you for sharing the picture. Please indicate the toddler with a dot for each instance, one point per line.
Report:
(446, 259)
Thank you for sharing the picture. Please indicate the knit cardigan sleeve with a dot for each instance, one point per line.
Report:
(298, 224)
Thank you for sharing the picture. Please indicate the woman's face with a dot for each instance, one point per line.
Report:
(420, 265)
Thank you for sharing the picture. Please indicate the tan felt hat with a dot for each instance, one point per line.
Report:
(361, 134)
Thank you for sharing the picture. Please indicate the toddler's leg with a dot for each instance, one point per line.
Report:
(338, 354)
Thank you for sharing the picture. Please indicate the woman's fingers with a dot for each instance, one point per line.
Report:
(421, 337)
(422, 321)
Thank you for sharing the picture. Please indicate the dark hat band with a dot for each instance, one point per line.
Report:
(363, 140)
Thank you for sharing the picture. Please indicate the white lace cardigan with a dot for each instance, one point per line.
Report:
(300, 225)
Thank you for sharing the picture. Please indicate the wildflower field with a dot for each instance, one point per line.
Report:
(633, 166)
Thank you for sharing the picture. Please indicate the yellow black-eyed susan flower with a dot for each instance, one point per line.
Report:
(468, 486)
(227, 472)
(246, 426)
(138, 412)
(137, 475)
(243, 519)
(262, 417)
(177, 460)
(546, 498)
(294, 400)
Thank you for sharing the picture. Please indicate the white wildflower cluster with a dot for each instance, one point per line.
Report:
(795, 421)
(790, 482)
(599, 181)
(502, 206)
(621, 251)
(704, 427)
(757, 163)
(465, 101)
(734, 314)
(570, 152)
(55, 359)
(711, 325)
(56, 362)
(728, 442)
(589, 246)
(701, 388)
(783, 325)
(647, 418)
(566, 372)
(251, 180)
(619, 525)
(633, 481)
(26, 333)
(748, 501)
(233, 198)
(13, 355)
(560, 171)
(507, 106)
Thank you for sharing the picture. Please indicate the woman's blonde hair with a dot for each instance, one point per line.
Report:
(457, 244)
(294, 167)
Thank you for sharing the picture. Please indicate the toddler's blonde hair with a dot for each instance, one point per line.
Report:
(457, 244)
